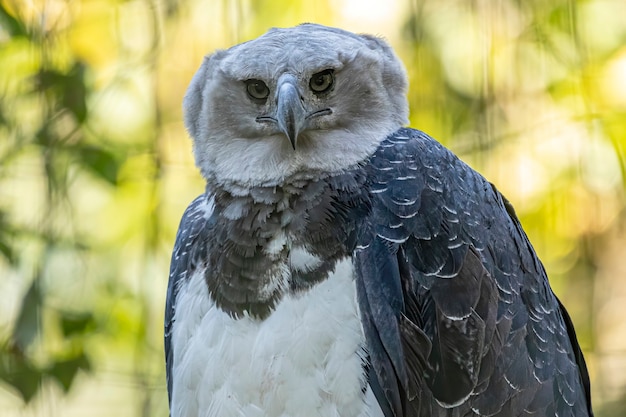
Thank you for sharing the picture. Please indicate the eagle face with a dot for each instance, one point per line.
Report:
(310, 98)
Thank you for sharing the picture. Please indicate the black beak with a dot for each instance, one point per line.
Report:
(290, 113)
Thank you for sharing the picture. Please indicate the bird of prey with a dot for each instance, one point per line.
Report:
(339, 264)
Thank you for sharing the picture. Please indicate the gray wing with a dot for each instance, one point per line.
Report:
(456, 306)
(190, 247)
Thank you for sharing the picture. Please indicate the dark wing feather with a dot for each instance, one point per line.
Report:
(185, 255)
(456, 307)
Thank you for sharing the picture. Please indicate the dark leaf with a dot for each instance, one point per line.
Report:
(6, 235)
(76, 323)
(99, 161)
(6, 250)
(28, 321)
(11, 24)
(64, 371)
(20, 373)
(45, 137)
(69, 87)
(4, 121)
(75, 92)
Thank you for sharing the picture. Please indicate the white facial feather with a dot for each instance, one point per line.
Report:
(367, 102)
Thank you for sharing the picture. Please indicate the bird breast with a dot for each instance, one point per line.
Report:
(267, 242)
(305, 359)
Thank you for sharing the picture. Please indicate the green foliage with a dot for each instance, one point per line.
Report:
(10, 24)
(6, 234)
(68, 87)
(101, 162)
(23, 375)
(29, 318)
(21, 369)
(39, 129)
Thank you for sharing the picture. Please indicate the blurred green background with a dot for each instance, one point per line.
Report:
(96, 168)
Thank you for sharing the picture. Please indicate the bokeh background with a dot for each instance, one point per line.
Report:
(96, 168)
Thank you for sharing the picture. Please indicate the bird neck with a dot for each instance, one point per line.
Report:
(277, 239)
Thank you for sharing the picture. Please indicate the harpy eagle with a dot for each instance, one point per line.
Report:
(340, 264)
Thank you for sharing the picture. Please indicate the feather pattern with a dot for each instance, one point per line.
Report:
(453, 298)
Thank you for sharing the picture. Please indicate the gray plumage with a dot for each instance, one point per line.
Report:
(299, 136)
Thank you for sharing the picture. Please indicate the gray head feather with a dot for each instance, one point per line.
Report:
(243, 141)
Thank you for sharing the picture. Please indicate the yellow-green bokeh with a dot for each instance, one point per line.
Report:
(96, 168)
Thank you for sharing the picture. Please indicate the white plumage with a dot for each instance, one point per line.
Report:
(305, 360)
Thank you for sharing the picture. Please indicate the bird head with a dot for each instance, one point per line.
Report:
(303, 99)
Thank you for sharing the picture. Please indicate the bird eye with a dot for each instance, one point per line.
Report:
(322, 81)
(257, 89)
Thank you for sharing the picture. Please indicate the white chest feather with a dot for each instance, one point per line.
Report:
(304, 360)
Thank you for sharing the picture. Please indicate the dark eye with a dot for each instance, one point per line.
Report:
(257, 89)
(322, 81)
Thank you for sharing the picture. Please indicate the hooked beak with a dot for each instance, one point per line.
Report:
(290, 113)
